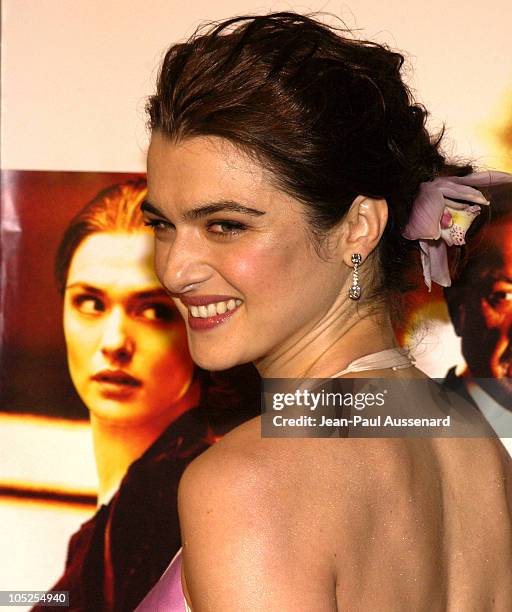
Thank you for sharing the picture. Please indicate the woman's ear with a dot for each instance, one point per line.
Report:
(364, 225)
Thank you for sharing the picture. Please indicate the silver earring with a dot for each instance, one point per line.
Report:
(354, 293)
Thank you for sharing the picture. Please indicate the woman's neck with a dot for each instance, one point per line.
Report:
(332, 344)
(118, 445)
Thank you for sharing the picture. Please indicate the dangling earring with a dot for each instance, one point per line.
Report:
(354, 293)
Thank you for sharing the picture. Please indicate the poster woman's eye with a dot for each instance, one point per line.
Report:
(158, 312)
(88, 304)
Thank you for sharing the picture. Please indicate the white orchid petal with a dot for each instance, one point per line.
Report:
(425, 263)
(461, 205)
(466, 194)
(434, 259)
(426, 214)
(458, 195)
(483, 179)
(462, 220)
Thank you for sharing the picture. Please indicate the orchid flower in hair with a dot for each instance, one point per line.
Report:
(441, 215)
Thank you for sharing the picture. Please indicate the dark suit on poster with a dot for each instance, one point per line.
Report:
(456, 383)
(499, 417)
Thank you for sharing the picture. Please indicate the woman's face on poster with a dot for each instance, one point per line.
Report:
(126, 343)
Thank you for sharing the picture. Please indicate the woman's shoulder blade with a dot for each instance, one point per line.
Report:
(244, 469)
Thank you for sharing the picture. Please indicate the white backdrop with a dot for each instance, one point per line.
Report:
(75, 72)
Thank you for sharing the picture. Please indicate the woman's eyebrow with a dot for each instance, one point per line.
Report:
(152, 294)
(222, 206)
(148, 207)
(204, 210)
(85, 287)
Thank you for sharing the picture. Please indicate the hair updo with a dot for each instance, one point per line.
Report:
(327, 114)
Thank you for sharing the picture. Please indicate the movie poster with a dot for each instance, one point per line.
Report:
(73, 133)
(48, 478)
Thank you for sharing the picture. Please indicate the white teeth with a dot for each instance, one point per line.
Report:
(214, 309)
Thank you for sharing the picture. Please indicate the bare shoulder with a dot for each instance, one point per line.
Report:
(240, 521)
(246, 475)
(241, 473)
(331, 511)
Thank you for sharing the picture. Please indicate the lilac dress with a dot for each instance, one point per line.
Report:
(167, 595)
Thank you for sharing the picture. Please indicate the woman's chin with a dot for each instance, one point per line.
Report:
(214, 362)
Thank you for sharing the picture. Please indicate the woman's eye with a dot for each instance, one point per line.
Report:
(158, 312)
(226, 228)
(88, 304)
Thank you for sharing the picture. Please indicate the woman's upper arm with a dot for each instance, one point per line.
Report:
(243, 548)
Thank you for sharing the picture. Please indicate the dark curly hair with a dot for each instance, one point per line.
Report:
(329, 115)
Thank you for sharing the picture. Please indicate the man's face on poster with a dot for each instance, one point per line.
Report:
(484, 315)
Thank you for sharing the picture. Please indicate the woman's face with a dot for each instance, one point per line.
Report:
(126, 343)
(235, 253)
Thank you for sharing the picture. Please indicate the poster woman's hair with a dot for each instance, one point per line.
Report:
(115, 209)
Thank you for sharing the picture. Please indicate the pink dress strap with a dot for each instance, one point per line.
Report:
(167, 594)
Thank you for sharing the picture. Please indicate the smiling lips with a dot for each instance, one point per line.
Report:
(208, 311)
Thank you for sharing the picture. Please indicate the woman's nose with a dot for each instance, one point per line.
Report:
(116, 344)
(182, 265)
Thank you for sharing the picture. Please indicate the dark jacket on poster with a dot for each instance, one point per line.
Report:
(140, 522)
